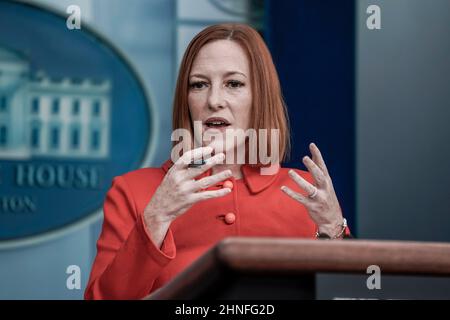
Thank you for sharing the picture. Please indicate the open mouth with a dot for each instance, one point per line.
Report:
(216, 122)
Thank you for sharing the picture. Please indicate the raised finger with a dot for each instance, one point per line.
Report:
(314, 169)
(294, 195)
(188, 156)
(210, 194)
(302, 183)
(209, 163)
(212, 180)
(317, 158)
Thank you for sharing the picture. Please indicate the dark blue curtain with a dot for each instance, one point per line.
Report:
(312, 43)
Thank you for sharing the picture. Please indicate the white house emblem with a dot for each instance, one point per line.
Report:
(73, 115)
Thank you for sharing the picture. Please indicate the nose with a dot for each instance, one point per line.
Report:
(215, 98)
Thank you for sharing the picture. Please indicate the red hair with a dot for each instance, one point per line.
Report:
(268, 107)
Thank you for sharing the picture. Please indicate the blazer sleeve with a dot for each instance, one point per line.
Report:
(127, 262)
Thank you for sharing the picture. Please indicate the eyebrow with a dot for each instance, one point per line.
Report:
(229, 73)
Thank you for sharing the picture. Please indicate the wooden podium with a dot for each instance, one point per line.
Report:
(281, 268)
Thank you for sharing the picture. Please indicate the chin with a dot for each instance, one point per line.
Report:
(219, 145)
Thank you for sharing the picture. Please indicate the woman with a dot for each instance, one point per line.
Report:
(159, 220)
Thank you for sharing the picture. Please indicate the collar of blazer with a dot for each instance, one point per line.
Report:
(256, 178)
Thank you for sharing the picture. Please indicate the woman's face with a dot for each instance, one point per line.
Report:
(220, 94)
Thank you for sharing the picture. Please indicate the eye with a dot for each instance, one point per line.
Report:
(234, 84)
(197, 85)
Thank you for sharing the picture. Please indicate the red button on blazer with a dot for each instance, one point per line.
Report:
(228, 184)
(230, 217)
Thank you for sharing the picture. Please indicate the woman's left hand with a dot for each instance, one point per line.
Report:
(321, 202)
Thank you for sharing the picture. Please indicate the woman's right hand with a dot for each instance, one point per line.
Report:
(179, 191)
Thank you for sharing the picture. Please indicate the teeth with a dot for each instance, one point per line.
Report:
(216, 123)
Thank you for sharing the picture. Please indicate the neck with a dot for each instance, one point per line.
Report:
(235, 169)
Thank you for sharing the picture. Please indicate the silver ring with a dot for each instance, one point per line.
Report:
(312, 195)
(196, 163)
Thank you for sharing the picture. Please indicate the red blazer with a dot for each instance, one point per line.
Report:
(129, 266)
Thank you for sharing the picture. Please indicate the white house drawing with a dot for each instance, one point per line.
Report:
(47, 117)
